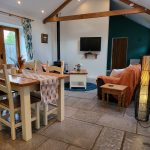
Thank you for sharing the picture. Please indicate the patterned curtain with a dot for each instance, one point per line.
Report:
(27, 28)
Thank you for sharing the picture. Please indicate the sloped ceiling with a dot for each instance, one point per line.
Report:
(32, 8)
(142, 18)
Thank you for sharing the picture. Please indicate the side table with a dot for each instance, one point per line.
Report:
(114, 89)
(78, 78)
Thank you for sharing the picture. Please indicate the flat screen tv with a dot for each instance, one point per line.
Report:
(90, 43)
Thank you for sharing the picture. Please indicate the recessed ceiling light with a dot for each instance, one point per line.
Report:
(79, 0)
(42, 11)
(19, 2)
(131, 4)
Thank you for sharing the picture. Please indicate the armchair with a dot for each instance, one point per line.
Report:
(130, 77)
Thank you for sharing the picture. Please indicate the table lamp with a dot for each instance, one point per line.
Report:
(144, 93)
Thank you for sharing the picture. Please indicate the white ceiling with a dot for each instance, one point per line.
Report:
(32, 8)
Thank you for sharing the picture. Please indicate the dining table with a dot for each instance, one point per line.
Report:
(24, 86)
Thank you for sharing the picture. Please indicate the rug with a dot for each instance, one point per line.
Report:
(90, 87)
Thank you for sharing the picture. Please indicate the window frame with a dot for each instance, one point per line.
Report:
(16, 30)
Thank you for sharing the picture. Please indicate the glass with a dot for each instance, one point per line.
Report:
(10, 46)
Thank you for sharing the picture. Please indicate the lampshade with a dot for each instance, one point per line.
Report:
(143, 113)
(145, 76)
(146, 63)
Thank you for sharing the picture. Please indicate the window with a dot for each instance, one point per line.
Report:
(9, 45)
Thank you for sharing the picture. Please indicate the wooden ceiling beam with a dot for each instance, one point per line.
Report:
(135, 5)
(97, 15)
(57, 10)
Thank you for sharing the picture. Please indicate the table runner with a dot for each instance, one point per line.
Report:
(48, 86)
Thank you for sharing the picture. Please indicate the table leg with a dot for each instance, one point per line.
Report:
(123, 100)
(119, 100)
(60, 115)
(103, 96)
(107, 97)
(26, 113)
(70, 83)
(1, 127)
(85, 82)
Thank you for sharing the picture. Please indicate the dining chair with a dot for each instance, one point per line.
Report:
(31, 65)
(55, 69)
(13, 105)
(49, 109)
(2, 94)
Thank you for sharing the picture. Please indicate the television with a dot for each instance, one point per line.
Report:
(90, 44)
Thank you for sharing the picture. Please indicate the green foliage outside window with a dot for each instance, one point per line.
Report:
(10, 39)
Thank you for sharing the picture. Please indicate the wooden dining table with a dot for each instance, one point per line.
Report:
(24, 86)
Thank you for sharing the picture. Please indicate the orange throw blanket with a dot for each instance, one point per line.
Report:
(129, 77)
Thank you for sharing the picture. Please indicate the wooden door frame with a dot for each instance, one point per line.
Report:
(113, 46)
(2, 45)
(16, 30)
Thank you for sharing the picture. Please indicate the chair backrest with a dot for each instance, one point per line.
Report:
(59, 70)
(31, 65)
(5, 86)
(39, 67)
(9, 66)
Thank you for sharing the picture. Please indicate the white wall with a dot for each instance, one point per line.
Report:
(43, 52)
(71, 31)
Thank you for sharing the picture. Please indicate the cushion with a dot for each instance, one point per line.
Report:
(116, 72)
(36, 94)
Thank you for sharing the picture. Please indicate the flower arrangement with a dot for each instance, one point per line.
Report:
(78, 67)
(21, 62)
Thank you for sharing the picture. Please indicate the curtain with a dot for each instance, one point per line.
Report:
(27, 29)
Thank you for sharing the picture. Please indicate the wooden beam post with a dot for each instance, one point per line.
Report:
(135, 5)
(97, 14)
(57, 10)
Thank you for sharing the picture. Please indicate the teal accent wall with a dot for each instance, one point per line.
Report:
(138, 38)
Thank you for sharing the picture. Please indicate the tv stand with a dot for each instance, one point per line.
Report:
(90, 54)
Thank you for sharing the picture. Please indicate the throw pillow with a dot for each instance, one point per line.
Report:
(116, 72)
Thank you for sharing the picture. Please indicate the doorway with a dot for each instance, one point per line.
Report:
(119, 52)
(9, 45)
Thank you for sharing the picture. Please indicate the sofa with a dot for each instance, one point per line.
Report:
(129, 76)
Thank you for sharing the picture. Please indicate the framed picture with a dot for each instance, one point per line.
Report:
(44, 38)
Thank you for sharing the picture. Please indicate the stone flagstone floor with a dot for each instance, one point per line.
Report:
(89, 125)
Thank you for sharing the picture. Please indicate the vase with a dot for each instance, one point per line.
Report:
(78, 68)
(20, 70)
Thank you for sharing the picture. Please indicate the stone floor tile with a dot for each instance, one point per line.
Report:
(90, 95)
(130, 112)
(74, 148)
(74, 94)
(117, 122)
(67, 93)
(7, 144)
(70, 101)
(84, 95)
(109, 139)
(53, 145)
(136, 142)
(144, 131)
(74, 132)
(93, 91)
(87, 116)
(109, 108)
(43, 127)
(70, 111)
(84, 104)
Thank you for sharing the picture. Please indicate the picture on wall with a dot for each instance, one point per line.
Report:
(44, 38)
